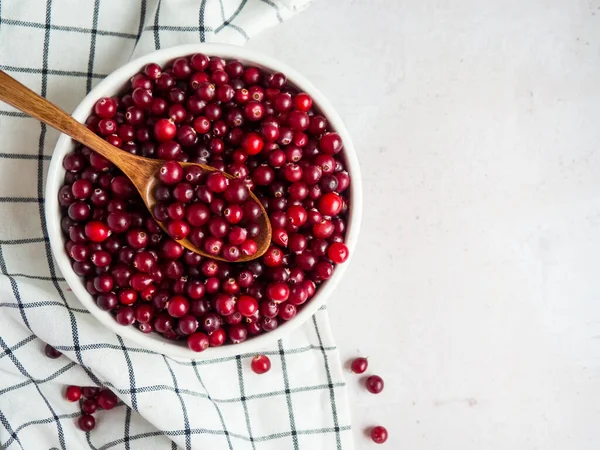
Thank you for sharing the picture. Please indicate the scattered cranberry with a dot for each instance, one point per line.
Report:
(73, 393)
(86, 422)
(260, 364)
(243, 120)
(374, 384)
(51, 352)
(107, 399)
(379, 434)
(359, 365)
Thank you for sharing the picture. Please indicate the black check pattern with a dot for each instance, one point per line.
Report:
(62, 49)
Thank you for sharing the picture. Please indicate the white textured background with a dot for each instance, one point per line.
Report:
(475, 289)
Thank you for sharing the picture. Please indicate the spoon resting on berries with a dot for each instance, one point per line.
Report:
(194, 203)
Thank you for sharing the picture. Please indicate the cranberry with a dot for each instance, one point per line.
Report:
(217, 337)
(252, 144)
(273, 256)
(238, 333)
(260, 364)
(330, 143)
(170, 173)
(298, 295)
(89, 406)
(107, 399)
(225, 304)
(249, 247)
(164, 130)
(278, 292)
(247, 305)
(86, 422)
(107, 302)
(236, 192)
(379, 434)
(287, 312)
(178, 306)
(125, 315)
(198, 342)
(374, 384)
(359, 365)
(323, 229)
(338, 252)
(73, 393)
(51, 352)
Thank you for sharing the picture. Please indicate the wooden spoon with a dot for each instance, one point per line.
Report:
(141, 171)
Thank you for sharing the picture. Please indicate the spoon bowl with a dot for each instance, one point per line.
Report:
(142, 172)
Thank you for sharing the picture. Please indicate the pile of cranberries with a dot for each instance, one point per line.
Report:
(242, 120)
(374, 385)
(90, 398)
(216, 214)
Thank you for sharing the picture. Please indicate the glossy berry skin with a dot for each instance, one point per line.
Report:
(338, 252)
(178, 306)
(374, 384)
(260, 364)
(170, 173)
(73, 393)
(247, 305)
(359, 365)
(164, 130)
(86, 422)
(96, 231)
(89, 405)
(379, 434)
(330, 204)
(107, 399)
(198, 342)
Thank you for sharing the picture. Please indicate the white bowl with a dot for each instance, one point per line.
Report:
(111, 85)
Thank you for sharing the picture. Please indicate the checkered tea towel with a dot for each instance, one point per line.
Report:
(61, 49)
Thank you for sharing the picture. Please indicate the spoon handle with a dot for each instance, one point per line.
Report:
(24, 99)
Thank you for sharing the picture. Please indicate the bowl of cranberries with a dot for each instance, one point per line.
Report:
(266, 130)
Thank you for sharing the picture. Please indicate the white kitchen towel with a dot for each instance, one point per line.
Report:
(61, 49)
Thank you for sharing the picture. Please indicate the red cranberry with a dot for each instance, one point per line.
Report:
(170, 173)
(107, 399)
(164, 130)
(238, 333)
(125, 315)
(374, 384)
(252, 143)
(298, 295)
(247, 305)
(260, 364)
(198, 342)
(217, 337)
(51, 352)
(323, 229)
(330, 143)
(269, 308)
(379, 434)
(89, 406)
(278, 292)
(359, 365)
(224, 304)
(107, 302)
(273, 256)
(178, 306)
(338, 252)
(287, 312)
(86, 422)
(73, 393)
(236, 192)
